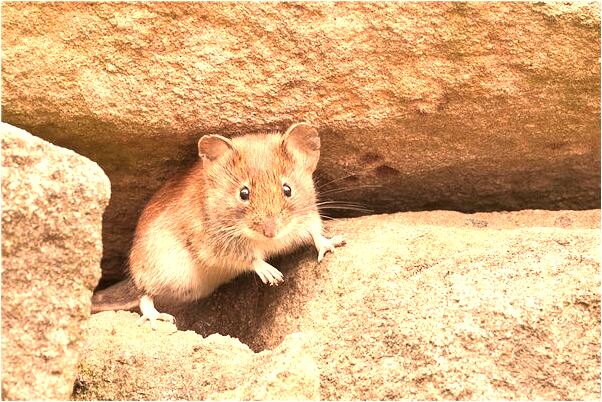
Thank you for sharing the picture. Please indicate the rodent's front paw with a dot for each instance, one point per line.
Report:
(268, 274)
(324, 245)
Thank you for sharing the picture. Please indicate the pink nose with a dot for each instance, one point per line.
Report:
(269, 229)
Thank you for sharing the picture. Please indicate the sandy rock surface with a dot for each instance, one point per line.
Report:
(432, 305)
(124, 361)
(52, 205)
(463, 106)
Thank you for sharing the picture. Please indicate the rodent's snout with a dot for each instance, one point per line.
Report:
(269, 228)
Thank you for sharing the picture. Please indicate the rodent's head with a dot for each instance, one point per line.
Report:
(260, 187)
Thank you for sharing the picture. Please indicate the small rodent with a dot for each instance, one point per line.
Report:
(246, 199)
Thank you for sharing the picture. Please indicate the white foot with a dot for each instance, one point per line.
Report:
(267, 273)
(324, 245)
(150, 313)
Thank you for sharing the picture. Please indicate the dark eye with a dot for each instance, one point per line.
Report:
(287, 190)
(244, 193)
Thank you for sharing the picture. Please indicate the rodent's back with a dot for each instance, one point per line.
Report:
(164, 229)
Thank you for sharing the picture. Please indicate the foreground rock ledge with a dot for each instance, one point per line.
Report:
(129, 362)
(435, 305)
(52, 205)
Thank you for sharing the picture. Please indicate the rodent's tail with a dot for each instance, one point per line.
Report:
(120, 296)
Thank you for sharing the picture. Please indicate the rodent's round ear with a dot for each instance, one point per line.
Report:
(302, 139)
(213, 146)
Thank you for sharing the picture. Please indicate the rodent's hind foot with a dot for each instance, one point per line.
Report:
(324, 245)
(267, 273)
(153, 319)
(150, 313)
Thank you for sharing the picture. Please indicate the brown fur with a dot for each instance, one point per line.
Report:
(196, 233)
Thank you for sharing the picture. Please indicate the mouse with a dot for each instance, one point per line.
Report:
(244, 200)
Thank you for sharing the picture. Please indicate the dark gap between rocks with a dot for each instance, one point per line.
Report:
(370, 184)
(244, 306)
(240, 308)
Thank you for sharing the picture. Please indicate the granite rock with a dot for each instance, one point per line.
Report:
(52, 205)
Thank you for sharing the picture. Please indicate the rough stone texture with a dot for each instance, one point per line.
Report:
(437, 305)
(129, 362)
(52, 205)
(464, 106)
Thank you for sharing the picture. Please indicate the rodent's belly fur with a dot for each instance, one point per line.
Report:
(162, 265)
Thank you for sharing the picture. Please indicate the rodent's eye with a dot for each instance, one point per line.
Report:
(287, 190)
(244, 193)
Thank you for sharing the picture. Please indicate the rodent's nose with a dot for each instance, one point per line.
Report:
(269, 228)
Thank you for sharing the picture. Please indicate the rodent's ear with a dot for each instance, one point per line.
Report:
(213, 146)
(302, 139)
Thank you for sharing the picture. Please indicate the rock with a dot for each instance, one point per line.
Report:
(436, 305)
(129, 362)
(52, 205)
(464, 106)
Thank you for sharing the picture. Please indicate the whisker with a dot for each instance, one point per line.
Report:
(344, 177)
(330, 218)
(331, 201)
(345, 189)
(349, 208)
(347, 203)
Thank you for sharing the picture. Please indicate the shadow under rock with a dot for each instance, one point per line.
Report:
(241, 307)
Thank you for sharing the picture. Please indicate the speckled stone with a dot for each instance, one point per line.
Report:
(52, 205)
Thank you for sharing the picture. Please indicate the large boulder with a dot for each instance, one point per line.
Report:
(52, 205)
(417, 306)
(465, 106)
